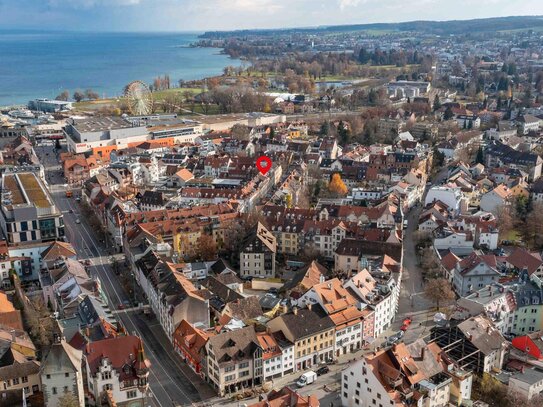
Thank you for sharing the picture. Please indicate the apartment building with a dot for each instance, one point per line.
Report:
(234, 360)
(28, 212)
(257, 254)
(311, 331)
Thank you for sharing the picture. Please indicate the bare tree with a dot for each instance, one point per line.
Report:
(68, 400)
(438, 290)
(64, 95)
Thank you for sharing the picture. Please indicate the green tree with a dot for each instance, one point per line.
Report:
(364, 56)
(325, 128)
(343, 133)
(373, 97)
(480, 156)
(438, 159)
(437, 103)
(448, 115)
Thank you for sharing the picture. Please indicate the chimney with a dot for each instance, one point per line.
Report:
(285, 308)
(488, 329)
(322, 279)
(295, 310)
(309, 306)
(422, 353)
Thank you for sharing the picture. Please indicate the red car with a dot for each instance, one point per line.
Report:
(406, 323)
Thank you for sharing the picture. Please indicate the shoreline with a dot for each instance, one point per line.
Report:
(189, 64)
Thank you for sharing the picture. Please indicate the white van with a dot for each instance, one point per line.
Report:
(306, 378)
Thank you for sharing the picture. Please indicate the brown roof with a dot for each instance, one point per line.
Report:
(192, 340)
(239, 344)
(244, 308)
(58, 249)
(480, 331)
(449, 261)
(120, 351)
(286, 397)
(522, 258)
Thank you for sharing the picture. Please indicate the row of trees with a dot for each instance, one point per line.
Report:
(394, 57)
(78, 95)
(161, 83)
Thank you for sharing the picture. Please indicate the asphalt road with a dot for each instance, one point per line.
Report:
(170, 380)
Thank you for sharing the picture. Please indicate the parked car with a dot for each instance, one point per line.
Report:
(307, 378)
(78, 221)
(394, 338)
(322, 370)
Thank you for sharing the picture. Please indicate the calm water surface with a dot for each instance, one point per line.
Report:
(34, 64)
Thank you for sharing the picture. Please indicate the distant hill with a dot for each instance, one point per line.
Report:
(434, 27)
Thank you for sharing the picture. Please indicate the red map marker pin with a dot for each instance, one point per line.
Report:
(263, 164)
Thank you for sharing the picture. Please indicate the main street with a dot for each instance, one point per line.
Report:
(171, 383)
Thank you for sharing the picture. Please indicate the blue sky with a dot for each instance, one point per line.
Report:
(200, 15)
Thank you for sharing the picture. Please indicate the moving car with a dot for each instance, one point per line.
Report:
(307, 378)
(78, 221)
(406, 322)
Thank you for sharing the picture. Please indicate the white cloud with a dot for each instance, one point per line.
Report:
(343, 4)
(86, 4)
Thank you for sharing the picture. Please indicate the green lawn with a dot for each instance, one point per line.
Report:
(161, 94)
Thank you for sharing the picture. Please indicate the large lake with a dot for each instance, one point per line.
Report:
(42, 64)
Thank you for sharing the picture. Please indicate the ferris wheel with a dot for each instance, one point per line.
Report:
(139, 98)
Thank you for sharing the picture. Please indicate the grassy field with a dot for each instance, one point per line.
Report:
(161, 94)
(116, 102)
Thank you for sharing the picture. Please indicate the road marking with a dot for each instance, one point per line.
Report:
(130, 319)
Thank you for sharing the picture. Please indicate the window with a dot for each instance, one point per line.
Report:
(15, 381)
(66, 374)
(54, 390)
(345, 386)
(65, 389)
(108, 386)
(243, 365)
(345, 394)
(131, 394)
(229, 369)
(48, 376)
(379, 396)
(106, 375)
(229, 378)
(244, 373)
